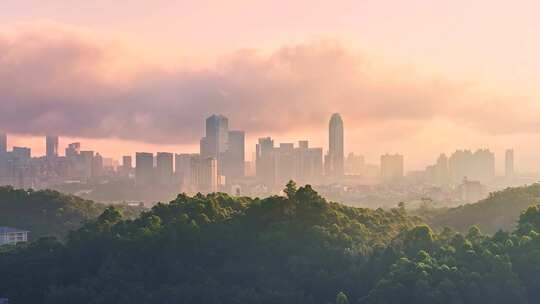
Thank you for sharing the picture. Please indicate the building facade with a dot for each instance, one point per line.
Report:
(334, 161)
(144, 169)
(164, 168)
(51, 146)
(12, 236)
(509, 163)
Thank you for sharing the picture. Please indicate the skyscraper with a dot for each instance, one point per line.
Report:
(335, 157)
(73, 150)
(86, 163)
(284, 164)
(216, 137)
(442, 173)
(354, 164)
(164, 168)
(182, 170)
(22, 153)
(3, 142)
(51, 143)
(477, 166)
(204, 175)
(308, 163)
(97, 166)
(144, 170)
(264, 161)
(127, 165)
(127, 162)
(235, 156)
(214, 144)
(509, 163)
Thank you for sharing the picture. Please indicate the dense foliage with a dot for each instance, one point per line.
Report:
(296, 248)
(47, 212)
(500, 210)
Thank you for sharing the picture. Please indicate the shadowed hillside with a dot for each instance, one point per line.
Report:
(296, 248)
(47, 212)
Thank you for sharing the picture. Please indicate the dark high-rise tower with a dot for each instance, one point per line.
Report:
(335, 157)
(51, 143)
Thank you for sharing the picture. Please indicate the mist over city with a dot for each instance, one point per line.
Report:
(222, 164)
(269, 152)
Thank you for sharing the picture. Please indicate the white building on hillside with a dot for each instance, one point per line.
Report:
(12, 236)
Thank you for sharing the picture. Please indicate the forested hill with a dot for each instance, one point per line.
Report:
(296, 248)
(500, 210)
(47, 212)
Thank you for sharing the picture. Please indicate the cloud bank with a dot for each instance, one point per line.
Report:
(59, 81)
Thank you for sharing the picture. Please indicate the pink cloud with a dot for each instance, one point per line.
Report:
(57, 80)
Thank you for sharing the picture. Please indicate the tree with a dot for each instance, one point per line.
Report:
(342, 298)
(290, 189)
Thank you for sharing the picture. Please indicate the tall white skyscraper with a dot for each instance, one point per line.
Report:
(334, 162)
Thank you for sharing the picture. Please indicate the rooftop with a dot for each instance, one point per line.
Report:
(10, 230)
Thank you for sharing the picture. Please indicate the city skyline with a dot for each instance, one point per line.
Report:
(269, 151)
(232, 161)
(39, 148)
(425, 75)
(220, 165)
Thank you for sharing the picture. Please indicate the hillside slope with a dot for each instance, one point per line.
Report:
(297, 248)
(500, 210)
(47, 212)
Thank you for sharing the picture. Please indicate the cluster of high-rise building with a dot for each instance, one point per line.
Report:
(19, 168)
(465, 165)
(184, 172)
(226, 146)
(277, 164)
(221, 164)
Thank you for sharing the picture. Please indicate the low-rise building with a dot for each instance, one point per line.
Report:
(12, 236)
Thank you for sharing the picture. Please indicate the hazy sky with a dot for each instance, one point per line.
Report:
(416, 77)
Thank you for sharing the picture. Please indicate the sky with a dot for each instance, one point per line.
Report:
(414, 77)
